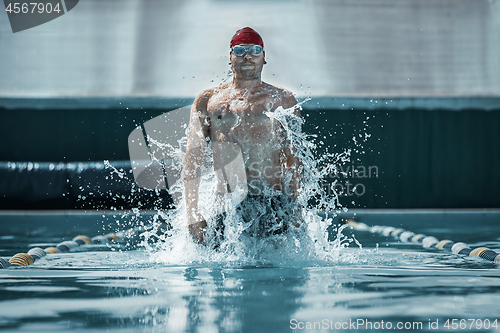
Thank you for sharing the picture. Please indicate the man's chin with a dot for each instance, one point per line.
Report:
(248, 73)
(252, 73)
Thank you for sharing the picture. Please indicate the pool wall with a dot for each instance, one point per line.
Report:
(408, 152)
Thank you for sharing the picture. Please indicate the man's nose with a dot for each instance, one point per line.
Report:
(247, 55)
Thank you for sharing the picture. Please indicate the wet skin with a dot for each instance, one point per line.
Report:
(235, 113)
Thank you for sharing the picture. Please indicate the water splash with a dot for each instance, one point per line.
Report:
(308, 244)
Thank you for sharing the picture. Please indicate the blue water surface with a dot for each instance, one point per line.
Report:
(381, 286)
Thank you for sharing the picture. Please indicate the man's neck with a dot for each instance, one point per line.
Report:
(239, 83)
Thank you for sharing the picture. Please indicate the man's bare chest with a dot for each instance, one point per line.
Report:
(232, 112)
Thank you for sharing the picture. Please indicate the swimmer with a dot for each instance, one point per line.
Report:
(234, 112)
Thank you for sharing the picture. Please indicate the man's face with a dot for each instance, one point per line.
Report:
(247, 66)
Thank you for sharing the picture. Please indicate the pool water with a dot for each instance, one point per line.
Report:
(380, 286)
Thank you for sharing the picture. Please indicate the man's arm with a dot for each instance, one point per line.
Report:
(197, 133)
(291, 160)
(293, 163)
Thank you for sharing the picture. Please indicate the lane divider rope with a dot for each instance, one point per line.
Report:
(460, 248)
(430, 242)
(36, 253)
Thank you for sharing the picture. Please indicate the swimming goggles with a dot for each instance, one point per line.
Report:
(240, 50)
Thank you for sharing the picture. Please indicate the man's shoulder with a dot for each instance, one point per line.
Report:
(282, 92)
(286, 96)
(205, 95)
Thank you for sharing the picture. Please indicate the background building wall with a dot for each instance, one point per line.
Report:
(320, 48)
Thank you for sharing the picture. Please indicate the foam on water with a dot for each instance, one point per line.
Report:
(309, 244)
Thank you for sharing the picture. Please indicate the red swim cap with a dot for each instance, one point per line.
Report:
(246, 36)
